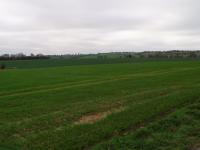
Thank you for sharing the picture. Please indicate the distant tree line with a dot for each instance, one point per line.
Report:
(171, 54)
(147, 54)
(163, 54)
(21, 56)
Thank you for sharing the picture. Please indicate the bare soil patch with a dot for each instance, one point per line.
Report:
(92, 118)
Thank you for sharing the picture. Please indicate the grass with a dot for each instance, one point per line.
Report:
(180, 130)
(43, 108)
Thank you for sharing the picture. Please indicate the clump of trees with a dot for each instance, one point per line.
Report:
(21, 56)
(170, 54)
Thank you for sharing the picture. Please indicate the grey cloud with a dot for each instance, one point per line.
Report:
(71, 26)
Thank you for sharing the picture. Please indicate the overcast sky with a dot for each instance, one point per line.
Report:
(90, 26)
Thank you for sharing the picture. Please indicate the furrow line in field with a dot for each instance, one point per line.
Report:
(44, 87)
(144, 91)
(142, 102)
(124, 106)
(125, 77)
(95, 82)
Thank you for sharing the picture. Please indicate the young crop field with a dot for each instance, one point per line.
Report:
(145, 105)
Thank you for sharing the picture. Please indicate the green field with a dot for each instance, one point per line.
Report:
(145, 105)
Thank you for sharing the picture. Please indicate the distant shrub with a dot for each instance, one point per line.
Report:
(2, 66)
